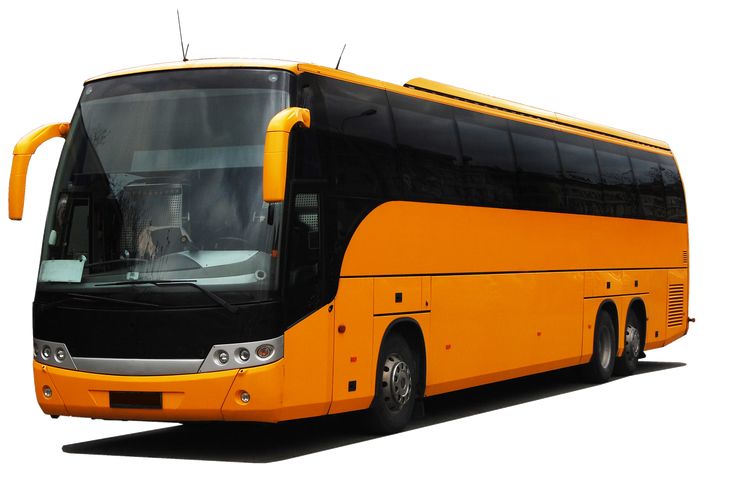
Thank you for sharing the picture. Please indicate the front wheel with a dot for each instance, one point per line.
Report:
(600, 367)
(396, 387)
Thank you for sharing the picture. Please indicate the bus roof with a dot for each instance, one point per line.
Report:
(437, 91)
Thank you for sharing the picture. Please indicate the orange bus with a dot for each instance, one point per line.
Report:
(265, 241)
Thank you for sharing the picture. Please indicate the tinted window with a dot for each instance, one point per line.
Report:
(648, 176)
(619, 192)
(673, 192)
(489, 158)
(582, 177)
(539, 185)
(355, 134)
(428, 150)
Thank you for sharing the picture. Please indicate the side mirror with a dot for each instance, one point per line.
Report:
(276, 151)
(22, 154)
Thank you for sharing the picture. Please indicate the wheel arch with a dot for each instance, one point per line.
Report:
(410, 329)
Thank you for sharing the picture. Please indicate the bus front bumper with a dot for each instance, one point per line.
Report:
(197, 397)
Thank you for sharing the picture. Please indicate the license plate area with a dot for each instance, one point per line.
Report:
(136, 400)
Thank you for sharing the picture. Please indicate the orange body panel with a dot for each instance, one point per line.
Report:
(185, 397)
(308, 360)
(354, 346)
(500, 305)
(394, 295)
(406, 238)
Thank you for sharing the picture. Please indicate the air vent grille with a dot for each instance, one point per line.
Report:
(676, 305)
(685, 257)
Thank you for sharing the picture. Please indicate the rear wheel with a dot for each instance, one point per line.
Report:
(627, 364)
(600, 367)
(396, 387)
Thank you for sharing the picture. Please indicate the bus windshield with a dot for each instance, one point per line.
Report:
(161, 179)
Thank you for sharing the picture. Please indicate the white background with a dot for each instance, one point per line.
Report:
(662, 69)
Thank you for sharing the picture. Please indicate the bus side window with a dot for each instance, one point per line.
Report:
(648, 178)
(490, 172)
(356, 136)
(673, 192)
(619, 192)
(539, 184)
(429, 151)
(582, 176)
(304, 252)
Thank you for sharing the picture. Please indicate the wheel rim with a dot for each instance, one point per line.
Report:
(633, 340)
(397, 382)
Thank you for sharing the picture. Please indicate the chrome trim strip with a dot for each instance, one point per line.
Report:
(212, 364)
(137, 366)
(140, 366)
(53, 360)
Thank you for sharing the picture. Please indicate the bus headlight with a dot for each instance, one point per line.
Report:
(264, 351)
(60, 354)
(242, 356)
(46, 352)
(222, 357)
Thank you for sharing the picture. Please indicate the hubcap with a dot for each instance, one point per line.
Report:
(633, 340)
(605, 348)
(396, 382)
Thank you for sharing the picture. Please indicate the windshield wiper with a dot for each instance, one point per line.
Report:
(96, 298)
(212, 296)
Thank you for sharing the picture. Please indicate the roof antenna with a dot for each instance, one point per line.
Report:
(337, 67)
(181, 39)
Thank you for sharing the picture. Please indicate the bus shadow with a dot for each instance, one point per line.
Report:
(262, 443)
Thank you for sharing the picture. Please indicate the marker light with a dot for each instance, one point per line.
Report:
(243, 355)
(60, 355)
(46, 352)
(46, 391)
(222, 357)
(264, 351)
(35, 350)
(245, 397)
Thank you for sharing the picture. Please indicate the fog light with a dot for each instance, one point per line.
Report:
(46, 391)
(60, 355)
(245, 397)
(243, 355)
(222, 357)
(46, 352)
(264, 351)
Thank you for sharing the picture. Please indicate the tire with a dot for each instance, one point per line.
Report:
(600, 367)
(396, 387)
(627, 364)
